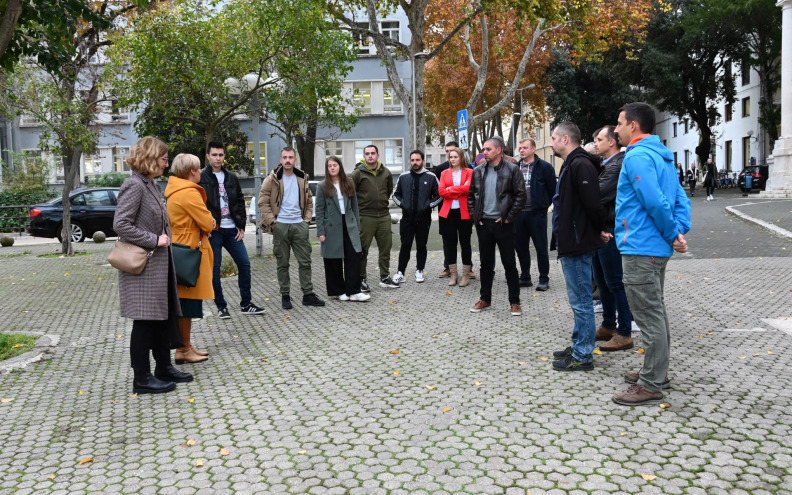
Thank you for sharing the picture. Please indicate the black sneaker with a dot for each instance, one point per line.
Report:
(572, 364)
(286, 302)
(312, 300)
(223, 314)
(525, 282)
(388, 283)
(563, 354)
(364, 286)
(252, 309)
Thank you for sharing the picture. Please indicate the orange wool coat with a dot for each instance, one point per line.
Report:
(189, 218)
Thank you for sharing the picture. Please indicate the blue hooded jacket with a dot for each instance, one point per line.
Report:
(651, 206)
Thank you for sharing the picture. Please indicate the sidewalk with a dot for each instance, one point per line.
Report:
(774, 215)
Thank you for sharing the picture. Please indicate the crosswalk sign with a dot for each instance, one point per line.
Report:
(463, 139)
(462, 119)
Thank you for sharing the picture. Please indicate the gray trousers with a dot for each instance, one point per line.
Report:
(644, 277)
(287, 237)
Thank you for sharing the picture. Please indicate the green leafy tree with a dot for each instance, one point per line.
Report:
(586, 93)
(683, 67)
(64, 95)
(179, 62)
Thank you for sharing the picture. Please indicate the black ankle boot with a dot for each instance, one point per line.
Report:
(170, 373)
(146, 383)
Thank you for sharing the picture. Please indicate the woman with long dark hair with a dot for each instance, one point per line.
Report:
(457, 227)
(338, 229)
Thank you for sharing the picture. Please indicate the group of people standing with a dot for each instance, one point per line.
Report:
(617, 218)
(691, 177)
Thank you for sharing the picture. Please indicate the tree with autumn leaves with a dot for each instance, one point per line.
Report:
(510, 46)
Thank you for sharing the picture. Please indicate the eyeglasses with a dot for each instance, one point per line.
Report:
(163, 158)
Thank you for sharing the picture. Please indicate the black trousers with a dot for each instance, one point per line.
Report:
(493, 234)
(532, 225)
(149, 335)
(414, 229)
(342, 275)
(455, 230)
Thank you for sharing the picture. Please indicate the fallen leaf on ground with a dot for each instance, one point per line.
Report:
(623, 434)
(710, 333)
(446, 334)
(478, 384)
(431, 387)
(265, 360)
(190, 400)
(522, 363)
(302, 452)
(191, 442)
(266, 299)
(5, 400)
(115, 401)
(51, 477)
(648, 477)
(543, 359)
(224, 452)
(640, 351)
(597, 352)
(701, 336)
(395, 352)
(448, 293)
(396, 372)
(742, 357)
(16, 346)
(435, 336)
(199, 463)
(756, 355)
(446, 409)
(119, 336)
(82, 392)
(133, 395)
(86, 460)
(665, 406)
(769, 352)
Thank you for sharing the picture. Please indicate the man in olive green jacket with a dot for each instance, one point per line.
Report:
(374, 186)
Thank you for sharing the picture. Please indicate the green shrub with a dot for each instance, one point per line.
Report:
(13, 219)
(113, 179)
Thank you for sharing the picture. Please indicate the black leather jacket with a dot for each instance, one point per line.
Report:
(236, 200)
(608, 180)
(510, 189)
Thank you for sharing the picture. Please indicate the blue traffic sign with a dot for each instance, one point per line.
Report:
(462, 119)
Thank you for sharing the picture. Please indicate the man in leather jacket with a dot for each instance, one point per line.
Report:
(607, 263)
(495, 200)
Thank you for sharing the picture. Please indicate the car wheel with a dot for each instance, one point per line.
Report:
(77, 231)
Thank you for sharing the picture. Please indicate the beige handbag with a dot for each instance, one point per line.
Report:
(129, 258)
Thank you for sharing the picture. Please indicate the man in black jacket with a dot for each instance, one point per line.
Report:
(578, 225)
(495, 200)
(416, 194)
(540, 184)
(607, 264)
(225, 201)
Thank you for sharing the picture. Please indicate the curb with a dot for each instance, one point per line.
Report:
(769, 226)
(33, 356)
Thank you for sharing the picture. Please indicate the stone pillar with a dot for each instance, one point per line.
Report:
(779, 185)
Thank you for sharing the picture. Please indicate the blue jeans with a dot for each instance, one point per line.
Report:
(226, 238)
(577, 275)
(609, 277)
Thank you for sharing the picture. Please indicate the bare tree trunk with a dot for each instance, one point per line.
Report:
(71, 167)
(13, 10)
(305, 144)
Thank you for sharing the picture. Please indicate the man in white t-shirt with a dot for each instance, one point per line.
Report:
(286, 207)
(224, 199)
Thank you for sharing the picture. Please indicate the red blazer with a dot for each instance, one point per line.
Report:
(449, 192)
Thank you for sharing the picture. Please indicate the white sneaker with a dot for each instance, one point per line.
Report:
(359, 297)
(598, 307)
(399, 278)
(343, 297)
(419, 276)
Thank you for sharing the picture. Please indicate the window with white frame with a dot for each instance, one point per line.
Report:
(333, 148)
(390, 29)
(392, 103)
(120, 154)
(360, 146)
(394, 155)
(364, 44)
(361, 95)
(92, 165)
(118, 113)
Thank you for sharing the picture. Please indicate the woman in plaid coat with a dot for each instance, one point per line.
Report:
(149, 299)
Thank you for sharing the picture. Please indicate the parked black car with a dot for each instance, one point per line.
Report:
(91, 210)
(759, 176)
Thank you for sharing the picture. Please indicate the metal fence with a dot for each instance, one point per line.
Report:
(13, 218)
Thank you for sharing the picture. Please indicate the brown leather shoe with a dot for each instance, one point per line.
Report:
(516, 310)
(479, 306)
(632, 377)
(636, 395)
(605, 333)
(445, 273)
(198, 351)
(617, 343)
(471, 274)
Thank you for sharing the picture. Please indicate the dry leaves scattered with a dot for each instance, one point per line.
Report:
(648, 477)
(86, 460)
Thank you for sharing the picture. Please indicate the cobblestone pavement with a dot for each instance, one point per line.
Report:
(317, 400)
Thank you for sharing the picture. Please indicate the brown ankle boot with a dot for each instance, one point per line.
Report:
(445, 273)
(471, 274)
(187, 353)
(454, 275)
(465, 280)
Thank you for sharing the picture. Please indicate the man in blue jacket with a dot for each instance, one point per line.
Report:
(652, 216)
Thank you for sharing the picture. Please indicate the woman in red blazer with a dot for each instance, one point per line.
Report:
(457, 226)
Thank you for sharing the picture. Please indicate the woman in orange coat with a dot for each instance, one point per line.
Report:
(457, 225)
(191, 225)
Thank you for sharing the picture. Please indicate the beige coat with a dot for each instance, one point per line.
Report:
(189, 219)
(271, 195)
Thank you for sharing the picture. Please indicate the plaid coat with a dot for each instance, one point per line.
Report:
(140, 218)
